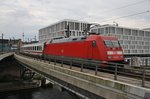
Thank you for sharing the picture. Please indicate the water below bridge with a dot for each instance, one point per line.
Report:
(39, 93)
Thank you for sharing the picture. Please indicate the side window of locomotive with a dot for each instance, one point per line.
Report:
(93, 43)
(74, 39)
(40, 48)
(37, 48)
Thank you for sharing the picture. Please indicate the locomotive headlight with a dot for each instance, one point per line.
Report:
(109, 52)
(119, 52)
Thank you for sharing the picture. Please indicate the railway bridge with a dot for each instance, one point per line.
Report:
(86, 83)
(2, 56)
(11, 78)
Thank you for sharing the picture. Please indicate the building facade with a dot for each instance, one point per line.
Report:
(135, 42)
(7, 45)
(4, 45)
(147, 29)
(76, 28)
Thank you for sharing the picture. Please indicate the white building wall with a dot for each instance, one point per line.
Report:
(59, 29)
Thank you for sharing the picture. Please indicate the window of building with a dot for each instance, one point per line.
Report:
(76, 26)
(119, 30)
(112, 30)
(125, 46)
(127, 32)
(134, 32)
(147, 34)
(107, 30)
(64, 26)
(131, 46)
(125, 37)
(73, 33)
(79, 33)
(141, 33)
(101, 31)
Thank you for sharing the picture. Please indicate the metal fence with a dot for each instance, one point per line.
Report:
(141, 74)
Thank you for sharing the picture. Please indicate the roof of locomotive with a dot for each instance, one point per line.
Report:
(70, 39)
(80, 38)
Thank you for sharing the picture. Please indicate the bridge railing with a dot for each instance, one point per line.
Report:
(2, 53)
(141, 74)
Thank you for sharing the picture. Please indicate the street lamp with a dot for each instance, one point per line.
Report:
(13, 44)
(23, 37)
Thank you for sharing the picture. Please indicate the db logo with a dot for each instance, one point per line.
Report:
(62, 51)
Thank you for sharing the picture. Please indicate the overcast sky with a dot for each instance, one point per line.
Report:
(28, 16)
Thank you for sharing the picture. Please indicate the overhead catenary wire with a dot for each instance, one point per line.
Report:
(149, 2)
(125, 6)
(118, 8)
(128, 5)
(131, 15)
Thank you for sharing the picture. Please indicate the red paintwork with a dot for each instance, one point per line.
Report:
(84, 49)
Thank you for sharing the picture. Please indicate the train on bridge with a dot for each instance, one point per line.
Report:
(93, 47)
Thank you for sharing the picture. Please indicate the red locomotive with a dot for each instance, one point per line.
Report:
(93, 47)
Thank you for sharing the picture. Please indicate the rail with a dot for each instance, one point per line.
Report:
(141, 74)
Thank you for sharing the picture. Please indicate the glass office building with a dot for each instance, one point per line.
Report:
(76, 28)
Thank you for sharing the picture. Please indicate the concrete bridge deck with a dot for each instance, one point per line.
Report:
(98, 85)
(2, 56)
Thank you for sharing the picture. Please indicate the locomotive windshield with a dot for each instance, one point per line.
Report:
(112, 43)
(108, 43)
(116, 44)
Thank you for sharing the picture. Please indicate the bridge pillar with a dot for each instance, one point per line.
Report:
(43, 82)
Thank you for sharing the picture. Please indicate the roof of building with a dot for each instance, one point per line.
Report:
(71, 20)
(147, 29)
(4, 40)
(113, 25)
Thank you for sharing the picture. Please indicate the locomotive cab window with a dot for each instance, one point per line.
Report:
(93, 43)
(113, 43)
(83, 38)
(108, 43)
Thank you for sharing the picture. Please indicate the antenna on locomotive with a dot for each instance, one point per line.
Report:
(86, 30)
(90, 27)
